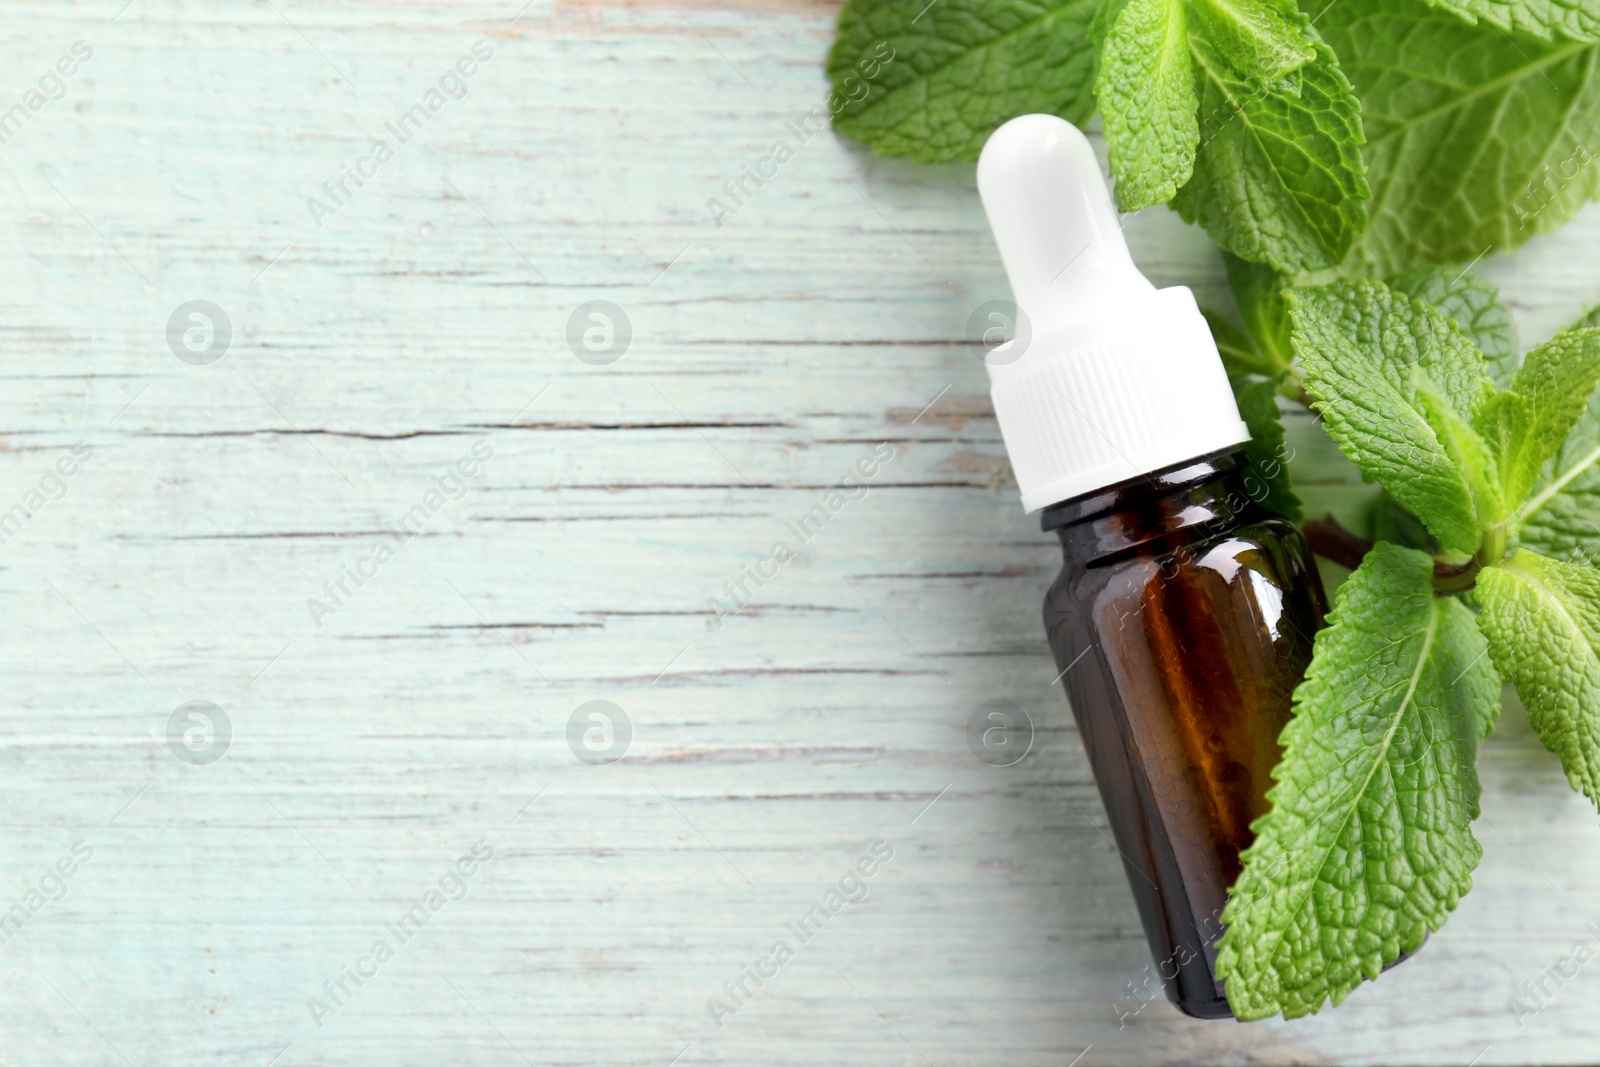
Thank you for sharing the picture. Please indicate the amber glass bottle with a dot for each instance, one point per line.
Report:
(1185, 612)
(1183, 619)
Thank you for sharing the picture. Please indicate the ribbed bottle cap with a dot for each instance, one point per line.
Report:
(1107, 377)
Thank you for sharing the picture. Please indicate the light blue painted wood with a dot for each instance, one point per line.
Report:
(430, 711)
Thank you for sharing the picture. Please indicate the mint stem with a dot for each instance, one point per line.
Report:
(1333, 542)
(1294, 389)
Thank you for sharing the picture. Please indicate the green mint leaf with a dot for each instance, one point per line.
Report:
(1589, 319)
(1147, 102)
(1388, 520)
(1105, 17)
(933, 81)
(1472, 304)
(1240, 356)
(1557, 380)
(1364, 350)
(1331, 487)
(1542, 619)
(1505, 420)
(1562, 519)
(1578, 20)
(1266, 479)
(1367, 846)
(1469, 453)
(1475, 141)
(1258, 289)
(1265, 39)
(1278, 177)
(1404, 337)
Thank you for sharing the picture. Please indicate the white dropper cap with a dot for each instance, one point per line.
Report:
(1107, 377)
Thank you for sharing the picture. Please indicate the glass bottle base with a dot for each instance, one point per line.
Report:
(1216, 1008)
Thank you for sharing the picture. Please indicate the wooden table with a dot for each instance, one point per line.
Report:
(377, 736)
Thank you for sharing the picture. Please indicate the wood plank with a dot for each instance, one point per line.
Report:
(430, 710)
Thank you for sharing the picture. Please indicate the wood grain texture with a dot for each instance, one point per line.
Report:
(430, 711)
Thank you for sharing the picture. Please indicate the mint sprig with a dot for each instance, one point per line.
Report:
(1367, 847)
(1407, 396)
(1323, 148)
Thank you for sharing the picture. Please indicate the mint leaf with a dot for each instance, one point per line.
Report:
(933, 81)
(1542, 619)
(1475, 141)
(1562, 520)
(1367, 846)
(1556, 381)
(1387, 520)
(1105, 17)
(1364, 351)
(1278, 177)
(1147, 100)
(1264, 39)
(1240, 356)
(1404, 337)
(1472, 304)
(1590, 318)
(1468, 452)
(1504, 420)
(1258, 290)
(1575, 19)
(1266, 480)
(1558, 377)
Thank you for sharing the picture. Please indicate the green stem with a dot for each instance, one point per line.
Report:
(1493, 549)
(1450, 578)
(1294, 388)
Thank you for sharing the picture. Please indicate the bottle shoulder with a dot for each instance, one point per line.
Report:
(1271, 549)
(1264, 532)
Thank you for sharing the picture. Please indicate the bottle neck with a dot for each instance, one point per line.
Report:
(1176, 502)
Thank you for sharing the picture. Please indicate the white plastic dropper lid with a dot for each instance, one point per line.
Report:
(1107, 377)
